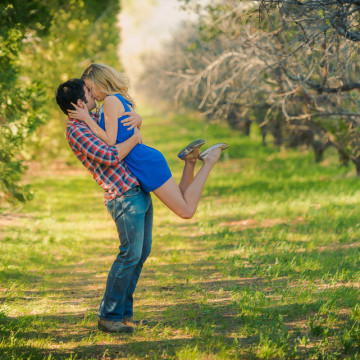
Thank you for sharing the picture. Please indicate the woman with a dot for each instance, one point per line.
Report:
(146, 163)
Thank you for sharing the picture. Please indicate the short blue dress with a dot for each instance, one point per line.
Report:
(147, 164)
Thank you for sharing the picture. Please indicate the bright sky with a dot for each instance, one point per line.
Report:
(144, 25)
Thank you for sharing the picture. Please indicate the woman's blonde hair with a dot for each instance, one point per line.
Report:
(108, 80)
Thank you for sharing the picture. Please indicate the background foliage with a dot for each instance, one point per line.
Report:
(44, 44)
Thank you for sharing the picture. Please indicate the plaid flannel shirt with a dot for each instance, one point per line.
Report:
(103, 161)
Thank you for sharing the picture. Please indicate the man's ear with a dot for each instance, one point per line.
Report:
(81, 104)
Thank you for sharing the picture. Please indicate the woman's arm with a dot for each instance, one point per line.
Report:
(82, 113)
(82, 139)
(113, 109)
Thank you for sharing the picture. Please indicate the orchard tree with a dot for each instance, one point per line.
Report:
(292, 65)
(321, 66)
(80, 32)
(19, 99)
(42, 45)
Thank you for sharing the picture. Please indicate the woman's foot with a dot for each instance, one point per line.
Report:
(212, 157)
(191, 151)
(192, 157)
(210, 152)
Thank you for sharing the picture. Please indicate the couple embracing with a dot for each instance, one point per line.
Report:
(110, 146)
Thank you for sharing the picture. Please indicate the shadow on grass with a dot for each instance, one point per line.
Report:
(17, 275)
(130, 348)
(212, 308)
(210, 324)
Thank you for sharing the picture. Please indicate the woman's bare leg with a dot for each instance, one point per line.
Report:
(185, 204)
(189, 169)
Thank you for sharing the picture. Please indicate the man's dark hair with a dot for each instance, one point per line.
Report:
(70, 92)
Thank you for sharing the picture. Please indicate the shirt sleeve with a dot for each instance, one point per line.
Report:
(91, 146)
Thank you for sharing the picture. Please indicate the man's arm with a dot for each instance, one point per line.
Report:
(86, 142)
(126, 146)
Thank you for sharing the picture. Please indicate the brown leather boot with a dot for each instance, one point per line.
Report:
(114, 326)
(134, 323)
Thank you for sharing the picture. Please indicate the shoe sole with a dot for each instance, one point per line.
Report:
(137, 323)
(190, 148)
(126, 331)
(221, 146)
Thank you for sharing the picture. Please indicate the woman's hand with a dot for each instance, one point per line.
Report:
(134, 119)
(80, 113)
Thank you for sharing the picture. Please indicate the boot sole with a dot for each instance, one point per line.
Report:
(126, 331)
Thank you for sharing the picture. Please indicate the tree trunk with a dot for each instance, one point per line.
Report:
(343, 159)
(263, 134)
(277, 134)
(319, 148)
(319, 154)
(357, 164)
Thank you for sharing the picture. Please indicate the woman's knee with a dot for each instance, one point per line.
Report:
(186, 213)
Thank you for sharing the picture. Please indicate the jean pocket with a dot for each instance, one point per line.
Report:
(111, 207)
(132, 192)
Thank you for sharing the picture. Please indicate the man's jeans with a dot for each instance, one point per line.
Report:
(133, 215)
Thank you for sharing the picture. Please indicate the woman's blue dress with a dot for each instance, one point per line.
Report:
(147, 164)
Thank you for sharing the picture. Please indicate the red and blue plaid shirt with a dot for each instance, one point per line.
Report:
(103, 161)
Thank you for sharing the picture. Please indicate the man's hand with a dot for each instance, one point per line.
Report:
(67, 123)
(80, 113)
(134, 119)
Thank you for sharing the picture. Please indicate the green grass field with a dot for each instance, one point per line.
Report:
(267, 269)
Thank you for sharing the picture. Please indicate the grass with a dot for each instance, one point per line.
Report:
(267, 269)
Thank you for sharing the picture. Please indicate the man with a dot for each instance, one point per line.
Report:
(128, 204)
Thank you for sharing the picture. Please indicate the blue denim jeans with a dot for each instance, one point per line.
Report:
(133, 215)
